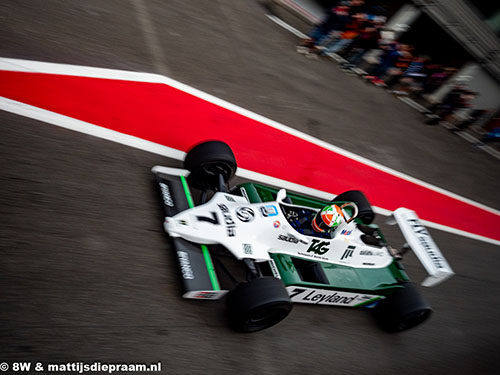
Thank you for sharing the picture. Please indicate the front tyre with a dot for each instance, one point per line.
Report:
(402, 310)
(257, 304)
(206, 161)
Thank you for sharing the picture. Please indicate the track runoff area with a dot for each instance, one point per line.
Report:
(163, 116)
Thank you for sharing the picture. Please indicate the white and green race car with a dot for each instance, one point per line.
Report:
(276, 258)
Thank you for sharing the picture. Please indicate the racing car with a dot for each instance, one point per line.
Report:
(278, 256)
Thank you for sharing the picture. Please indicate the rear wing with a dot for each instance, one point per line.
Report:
(419, 240)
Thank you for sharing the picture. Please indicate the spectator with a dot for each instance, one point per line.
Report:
(472, 117)
(338, 26)
(391, 53)
(459, 97)
(366, 40)
(436, 76)
(352, 30)
(410, 81)
(332, 25)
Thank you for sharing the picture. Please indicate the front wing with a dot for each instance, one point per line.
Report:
(197, 270)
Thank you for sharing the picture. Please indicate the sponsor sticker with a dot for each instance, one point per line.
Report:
(426, 242)
(205, 295)
(289, 239)
(269, 210)
(318, 247)
(228, 220)
(165, 193)
(244, 193)
(371, 253)
(348, 252)
(245, 214)
(326, 297)
(276, 224)
(247, 249)
(274, 269)
(185, 263)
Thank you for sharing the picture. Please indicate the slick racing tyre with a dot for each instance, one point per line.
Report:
(402, 310)
(257, 304)
(365, 214)
(206, 161)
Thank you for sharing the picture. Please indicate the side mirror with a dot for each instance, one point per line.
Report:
(281, 195)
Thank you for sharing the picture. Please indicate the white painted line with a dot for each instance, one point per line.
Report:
(467, 137)
(141, 144)
(336, 57)
(286, 26)
(490, 151)
(83, 71)
(470, 138)
(359, 71)
(17, 65)
(413, 104)
(302, 11)
(277, 182)
(459, 232)
(301, 35)
(87, 128)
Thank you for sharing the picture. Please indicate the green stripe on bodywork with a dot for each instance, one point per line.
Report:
(206, 254)
(210, 268)
(187, 192)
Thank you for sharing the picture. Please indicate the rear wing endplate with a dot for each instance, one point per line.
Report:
(419, 240)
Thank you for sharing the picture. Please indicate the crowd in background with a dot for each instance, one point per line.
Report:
(356, 31)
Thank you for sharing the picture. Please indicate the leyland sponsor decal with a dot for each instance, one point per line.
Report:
(327, 297)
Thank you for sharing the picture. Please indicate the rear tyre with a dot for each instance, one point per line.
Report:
(257, 304)
(402, 310)
(365, 214)
(207, 161)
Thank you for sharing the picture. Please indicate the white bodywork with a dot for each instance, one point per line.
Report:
(255, 230)
(424, 247)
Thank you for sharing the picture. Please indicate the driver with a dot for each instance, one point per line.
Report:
(328, 219)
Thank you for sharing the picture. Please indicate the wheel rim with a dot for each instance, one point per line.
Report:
(213, 169)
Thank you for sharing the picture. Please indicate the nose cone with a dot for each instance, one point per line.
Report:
(169, 226)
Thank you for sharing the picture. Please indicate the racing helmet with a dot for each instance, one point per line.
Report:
(329, 218)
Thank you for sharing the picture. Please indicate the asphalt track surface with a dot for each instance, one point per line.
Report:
(86, 273)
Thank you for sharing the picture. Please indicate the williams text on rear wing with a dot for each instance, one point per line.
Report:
(419, 240)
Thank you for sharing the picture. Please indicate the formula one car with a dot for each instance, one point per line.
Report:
(270, 234)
